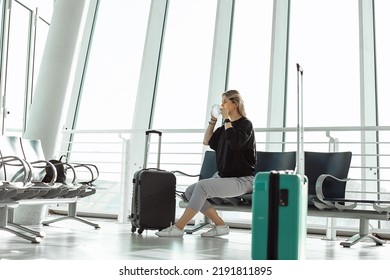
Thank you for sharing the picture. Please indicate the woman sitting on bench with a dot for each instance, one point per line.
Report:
(235, 147)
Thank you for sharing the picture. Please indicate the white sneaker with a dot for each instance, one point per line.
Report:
(171, 231)
(216, 231)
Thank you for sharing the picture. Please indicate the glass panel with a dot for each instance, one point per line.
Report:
(108, 95)
(382, 21)
(40, 40)
(16, 87)
(328, 51)
(185, 65)
(45, 8)
(111, 80)
(1, 27)
(250, 56)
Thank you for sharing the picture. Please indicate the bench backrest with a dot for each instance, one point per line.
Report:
(268, 161)
(316, 164)
(265, 161)
(336, 164)
(209, 166)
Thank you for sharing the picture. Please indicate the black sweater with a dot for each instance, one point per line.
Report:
(235, 149)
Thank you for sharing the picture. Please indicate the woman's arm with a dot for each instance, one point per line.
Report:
(209, 131)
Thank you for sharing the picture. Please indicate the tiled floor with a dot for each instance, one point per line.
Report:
(71, 240)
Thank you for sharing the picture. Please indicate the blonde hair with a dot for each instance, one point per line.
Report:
(234, 96)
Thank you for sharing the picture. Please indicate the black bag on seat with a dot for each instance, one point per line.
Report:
(61, 172)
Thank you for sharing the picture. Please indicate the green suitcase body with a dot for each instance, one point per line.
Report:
(277, 235)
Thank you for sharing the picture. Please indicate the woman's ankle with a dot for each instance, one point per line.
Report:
(179, 226)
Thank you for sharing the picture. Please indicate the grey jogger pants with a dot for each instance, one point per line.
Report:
(198, 193)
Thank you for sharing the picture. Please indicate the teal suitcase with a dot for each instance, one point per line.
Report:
(277, 223)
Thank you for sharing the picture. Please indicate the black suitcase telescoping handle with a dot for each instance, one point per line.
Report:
(153, 131)
(147, 141)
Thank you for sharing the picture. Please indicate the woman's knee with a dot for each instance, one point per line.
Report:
(188, 192)
(198, 188)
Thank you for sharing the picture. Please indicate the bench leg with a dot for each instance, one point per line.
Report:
(32, 239)
(330, 229)
(10, 222)
(195, 228)
(363, 234)
(4, 226)
(72, 216)
(29, 230)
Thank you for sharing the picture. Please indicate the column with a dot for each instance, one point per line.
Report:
(56, 74)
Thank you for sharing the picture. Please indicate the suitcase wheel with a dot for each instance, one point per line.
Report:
(140, 231)
(133, 229)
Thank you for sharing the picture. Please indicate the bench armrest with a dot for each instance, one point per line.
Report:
(323, 203)
(26, 168)
(42, 164)
(341, 203)
(91, 168)
(185, 174)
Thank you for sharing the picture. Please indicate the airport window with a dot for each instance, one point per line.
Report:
(23, 52)
(111, 78)
(1, 28)
(108, 93)
(42, 30)
(382, 42)
(183, 81)
(45, 8)
(382, 45)
(17, 67)
(328, 51)
(250, 56)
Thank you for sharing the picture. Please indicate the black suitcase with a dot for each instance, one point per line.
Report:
(154, 194)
